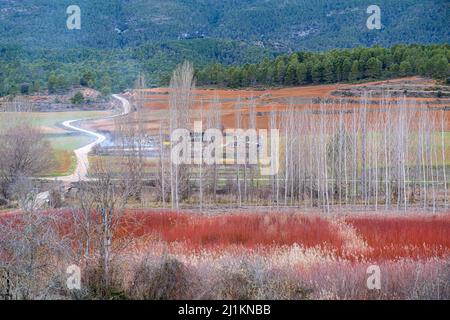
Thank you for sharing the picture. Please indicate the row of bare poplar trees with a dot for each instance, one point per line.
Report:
(391, 154)
(376, 154)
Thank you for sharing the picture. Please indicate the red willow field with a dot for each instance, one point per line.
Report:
(388, 238)
(246, 230)
(298, 255)
(413, 237)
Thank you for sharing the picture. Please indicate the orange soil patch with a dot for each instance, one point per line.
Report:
(278, 99)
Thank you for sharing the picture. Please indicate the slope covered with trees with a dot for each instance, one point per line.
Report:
(283, 24)
(24, 70)
(217, 63)
(119, 39)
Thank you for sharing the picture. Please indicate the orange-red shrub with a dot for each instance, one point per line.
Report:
(248, 230)
(412, 237)
(387, 237)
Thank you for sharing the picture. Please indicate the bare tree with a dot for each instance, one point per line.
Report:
(101, 205)
(161, 179)
(213, 120)
(444, 169)
(25, 152)
(33, 255)
(238, 124)
(181, 99)
(273, 125)
(132, 138)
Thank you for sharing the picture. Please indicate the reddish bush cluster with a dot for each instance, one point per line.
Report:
(409, 237)
(248, 230)
(387, 237)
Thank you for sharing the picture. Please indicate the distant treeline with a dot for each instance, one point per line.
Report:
(27, 70)
(350, 65)
(217, 62)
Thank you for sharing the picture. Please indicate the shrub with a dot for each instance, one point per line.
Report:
(96, 286)
(56, 200)
(251, 280)
(166, 280)
(78, 98)
(235, 286)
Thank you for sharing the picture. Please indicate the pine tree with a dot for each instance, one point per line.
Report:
(302, 73)
(354, 73)
(373, 68)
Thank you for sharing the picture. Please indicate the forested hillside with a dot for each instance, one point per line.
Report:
(232, 43)
(282, 24)
(34, 70)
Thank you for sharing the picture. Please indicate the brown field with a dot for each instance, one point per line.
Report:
(278, 99)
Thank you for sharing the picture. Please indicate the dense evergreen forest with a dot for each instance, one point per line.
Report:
(241, 66)
(334, 66)
(283, 25)
(26, 71)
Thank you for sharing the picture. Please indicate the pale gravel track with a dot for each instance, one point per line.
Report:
(82, 154)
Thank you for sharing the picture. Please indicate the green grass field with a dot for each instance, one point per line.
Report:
(69, 142)
(63, 155)
(46, 120)
(62, 142)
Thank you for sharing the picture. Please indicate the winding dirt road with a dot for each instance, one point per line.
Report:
(81, 171)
